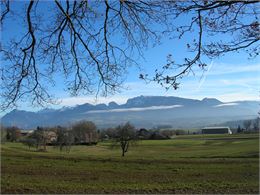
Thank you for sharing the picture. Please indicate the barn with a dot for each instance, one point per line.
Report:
(216, 130)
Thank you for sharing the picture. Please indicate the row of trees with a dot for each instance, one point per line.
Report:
(144, 134)
(83, 132)
(250, 125)
(10, 134)
(79, 133)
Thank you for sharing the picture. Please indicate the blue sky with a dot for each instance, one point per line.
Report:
(226, 82)
(228, 78)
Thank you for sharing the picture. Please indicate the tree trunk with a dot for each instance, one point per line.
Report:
(123, 145)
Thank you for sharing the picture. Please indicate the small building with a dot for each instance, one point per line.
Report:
(25, 133)
(216, 130)
(50, 136)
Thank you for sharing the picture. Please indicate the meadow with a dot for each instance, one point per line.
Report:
(185, 164)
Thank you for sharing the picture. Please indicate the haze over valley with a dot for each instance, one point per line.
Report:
(142, 111)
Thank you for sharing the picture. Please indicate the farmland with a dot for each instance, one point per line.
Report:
(184, 164)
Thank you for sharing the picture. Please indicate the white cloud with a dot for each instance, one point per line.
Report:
(221, 69)
(250, 83)
(134, 109)
(230, 97)
(226, 104)
(226, 88)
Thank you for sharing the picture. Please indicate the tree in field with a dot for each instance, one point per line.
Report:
(256, 124)
(65, 138)
(247, 124)
(110, 132)
(3, 133)
(92, 43)
(239, 130)
(13, 134)
(85, 132)
(125, 135)
(40, 136)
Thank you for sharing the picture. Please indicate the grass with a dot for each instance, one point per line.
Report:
(185, 164)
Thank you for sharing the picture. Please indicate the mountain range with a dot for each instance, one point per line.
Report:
(142, 111)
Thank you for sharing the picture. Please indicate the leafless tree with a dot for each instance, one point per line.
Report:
(3, 134)
(40, 135)
(91, 43)
(109, 132)
(65, 138)
(85, 132)
(247, 124)
(256, 124)
(124, 136)
(13, 133)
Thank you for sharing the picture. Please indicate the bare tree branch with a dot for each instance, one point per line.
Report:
(6, 4)
(92, 43)
(213, 18)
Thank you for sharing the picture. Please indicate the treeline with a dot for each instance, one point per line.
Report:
(86, 133)
(81, 133)
(249, 126)
(146, 134)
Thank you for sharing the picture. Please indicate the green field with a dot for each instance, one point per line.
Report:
(184, 164)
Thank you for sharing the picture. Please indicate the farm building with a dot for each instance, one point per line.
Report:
(216, 130)
(26, 133)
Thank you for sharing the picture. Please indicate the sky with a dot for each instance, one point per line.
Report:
(231, 77)
(226, 82)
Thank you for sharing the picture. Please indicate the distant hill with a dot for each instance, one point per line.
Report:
(142, 111)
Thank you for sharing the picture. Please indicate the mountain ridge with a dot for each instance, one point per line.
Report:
(142, 111)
